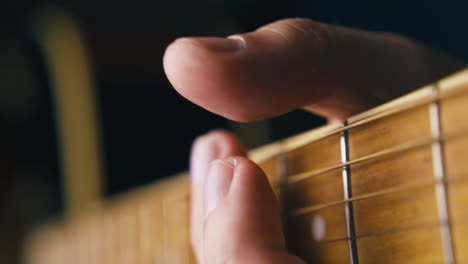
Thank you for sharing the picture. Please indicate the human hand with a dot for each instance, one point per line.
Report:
(289, 64)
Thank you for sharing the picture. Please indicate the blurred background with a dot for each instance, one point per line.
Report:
(85, 78)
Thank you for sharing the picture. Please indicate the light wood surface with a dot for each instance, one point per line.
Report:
(396, 211)
(316, 155)
(416, 246)
(460, 231)
(328, 187)
(395, 201)
(400, 169)
(334, 228)
(389, 131)
(332, 252)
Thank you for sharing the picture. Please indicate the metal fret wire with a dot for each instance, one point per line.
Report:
(282, 172)
(439, 175)
(347, 191)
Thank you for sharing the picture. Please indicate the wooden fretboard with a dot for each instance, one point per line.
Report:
(387, 186)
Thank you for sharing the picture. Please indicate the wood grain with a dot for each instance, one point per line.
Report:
(451, 112)
(458, 201)
(316, 155)
(150, 225)
(151, 231)
(389, 131)
(332, 252)
(455, 156)
(176, 230)
(460, 238)
(323, 188)
(333, 217)
(400, 169)
(396, 211)
(417, 246)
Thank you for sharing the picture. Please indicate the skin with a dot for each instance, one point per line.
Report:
(294, 63)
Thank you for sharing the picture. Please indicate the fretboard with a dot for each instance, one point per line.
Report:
(387, 186)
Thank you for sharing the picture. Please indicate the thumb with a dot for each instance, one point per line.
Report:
(242, 219)
(293, 63)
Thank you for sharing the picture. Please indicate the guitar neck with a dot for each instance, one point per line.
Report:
(386, 186)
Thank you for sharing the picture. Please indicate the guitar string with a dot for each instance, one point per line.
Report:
(387, 232)
(398, 189)
(375, 117)
(407, 146)
(366, 120)
(461, 221)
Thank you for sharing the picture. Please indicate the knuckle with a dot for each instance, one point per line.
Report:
(302, 29)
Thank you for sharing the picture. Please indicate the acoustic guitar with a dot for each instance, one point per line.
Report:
(389, 185)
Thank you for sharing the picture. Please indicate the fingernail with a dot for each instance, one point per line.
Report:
(204, 151)
(230, 44)
(218, 182)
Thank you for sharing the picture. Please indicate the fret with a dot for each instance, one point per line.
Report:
(347, 191)
(455, 151)
(398, 210)
(396, 194)
(279, 189)
(415, 246)
(439, 174)
(324, 226)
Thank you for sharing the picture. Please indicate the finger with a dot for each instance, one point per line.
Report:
(214, 145)
(292, 63)
(242, 219)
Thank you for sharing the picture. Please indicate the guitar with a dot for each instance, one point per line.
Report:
(389, 185)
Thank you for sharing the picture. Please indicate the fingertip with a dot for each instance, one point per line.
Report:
(203, 70)
(217, 144)
(249, 214)
(251, 183)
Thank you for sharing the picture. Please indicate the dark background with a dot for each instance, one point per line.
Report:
(147, 127)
